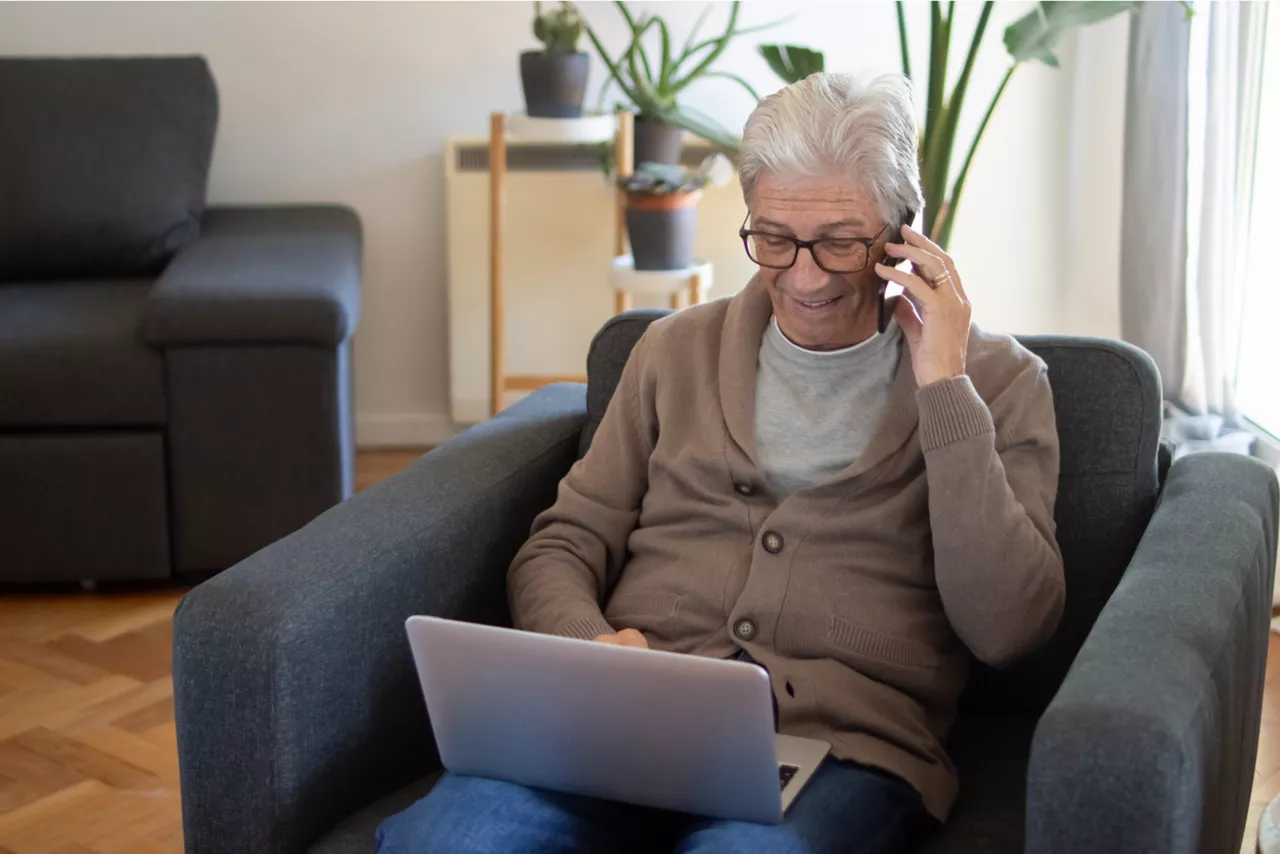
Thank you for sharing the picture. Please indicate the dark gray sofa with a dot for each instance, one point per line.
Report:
(174, 380)
(300, 722)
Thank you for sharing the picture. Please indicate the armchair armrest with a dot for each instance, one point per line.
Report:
(266, 275)
(1149, 745)
(296, 697)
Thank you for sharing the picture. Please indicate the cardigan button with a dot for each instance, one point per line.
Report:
(745, 629)
(746, 490)
(773, 542)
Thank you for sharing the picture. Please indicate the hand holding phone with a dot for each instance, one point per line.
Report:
(936, 322)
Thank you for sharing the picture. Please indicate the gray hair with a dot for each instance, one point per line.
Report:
(832, 122)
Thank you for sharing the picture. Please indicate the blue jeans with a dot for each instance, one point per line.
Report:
(846, 807)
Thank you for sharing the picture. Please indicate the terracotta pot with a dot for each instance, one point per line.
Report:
(554, 84)
(661, 229)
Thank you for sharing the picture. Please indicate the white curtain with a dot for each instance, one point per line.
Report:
(1194, 96)
(1224, 98)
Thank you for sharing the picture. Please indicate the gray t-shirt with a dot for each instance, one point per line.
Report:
(817, 410)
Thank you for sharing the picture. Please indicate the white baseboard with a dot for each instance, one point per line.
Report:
(403, 429)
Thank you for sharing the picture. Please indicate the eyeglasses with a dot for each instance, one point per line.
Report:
(831, 254)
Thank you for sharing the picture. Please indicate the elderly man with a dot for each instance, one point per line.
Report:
(857, 512)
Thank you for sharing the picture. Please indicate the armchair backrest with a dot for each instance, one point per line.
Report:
(1107, 399)
(103, 163)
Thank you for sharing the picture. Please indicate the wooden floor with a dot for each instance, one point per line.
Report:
(88, 759)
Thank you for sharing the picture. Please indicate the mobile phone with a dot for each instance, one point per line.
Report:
(885, 304)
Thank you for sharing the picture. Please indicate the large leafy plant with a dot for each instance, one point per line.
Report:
(791, 62)
(1032, 37)
(653, 79)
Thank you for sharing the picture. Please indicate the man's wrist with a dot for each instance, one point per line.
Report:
(948, 372)
(584, 627)
(951, 411)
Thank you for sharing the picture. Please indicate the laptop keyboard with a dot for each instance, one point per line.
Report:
(785, 773)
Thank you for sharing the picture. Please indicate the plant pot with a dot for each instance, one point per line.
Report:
(656, 141)
(661, 229)
(554, 84)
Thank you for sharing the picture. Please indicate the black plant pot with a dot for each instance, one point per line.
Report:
(661, 230)
(656, 141)
(554, 84)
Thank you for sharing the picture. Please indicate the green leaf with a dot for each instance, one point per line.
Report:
(902, 40)
(646, 95)
(705, 127)
(1034, 35)
(693, 34)
(938, 160)
(638, 27)
(666, 66)
(939, 47)
(791, 62)
(943, 234)
(755, 28)
(720, 44)
(614, 72)
(735, 78)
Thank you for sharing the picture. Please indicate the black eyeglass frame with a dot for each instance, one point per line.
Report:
(797, 244)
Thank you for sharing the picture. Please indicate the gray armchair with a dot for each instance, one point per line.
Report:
(301, 725)
(174, 381)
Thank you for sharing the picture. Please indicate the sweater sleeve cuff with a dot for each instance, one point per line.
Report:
(950, 411)
(585, 628)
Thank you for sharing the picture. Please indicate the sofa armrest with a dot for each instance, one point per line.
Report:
(1149, 745)
(296, 697)
(264, 275)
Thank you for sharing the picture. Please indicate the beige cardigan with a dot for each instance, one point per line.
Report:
(863, 596)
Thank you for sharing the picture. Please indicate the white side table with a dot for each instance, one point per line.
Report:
(692, 282)
(591, 127)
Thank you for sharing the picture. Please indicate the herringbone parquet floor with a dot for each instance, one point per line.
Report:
(88, 754)
(88, 761)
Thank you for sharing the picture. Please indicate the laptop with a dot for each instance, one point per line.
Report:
(657, 729)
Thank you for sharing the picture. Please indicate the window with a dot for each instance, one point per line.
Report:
(1258, 372)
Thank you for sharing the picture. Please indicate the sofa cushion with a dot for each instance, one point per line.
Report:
(989, 815)
(70, 354)
(355, 834)
(103, 164)
(83, 504)
(262, 275)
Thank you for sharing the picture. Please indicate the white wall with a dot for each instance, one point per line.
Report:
(1095, 169)
(352, 102)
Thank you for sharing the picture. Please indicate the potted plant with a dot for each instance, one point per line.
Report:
(662, 214)
(653, 80)
(1031, 37)
(555, 78)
